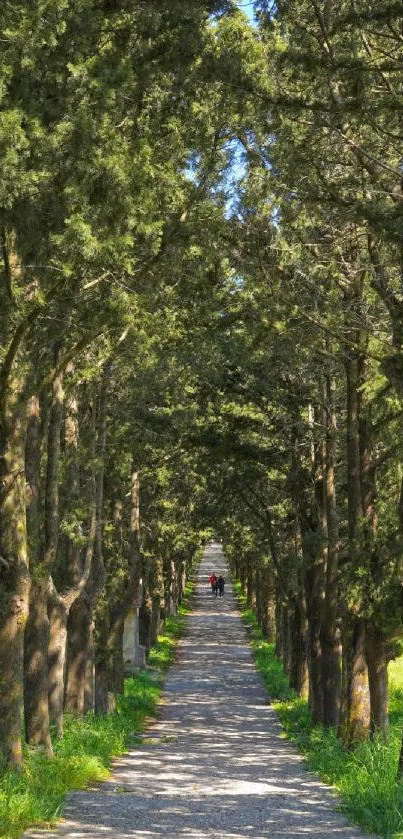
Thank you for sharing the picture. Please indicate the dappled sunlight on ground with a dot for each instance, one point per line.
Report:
(214, 764)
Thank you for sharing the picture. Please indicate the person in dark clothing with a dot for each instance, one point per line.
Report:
(221, 584)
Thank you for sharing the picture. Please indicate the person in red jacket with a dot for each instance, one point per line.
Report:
(213, 580)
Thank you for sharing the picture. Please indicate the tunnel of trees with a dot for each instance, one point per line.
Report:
(201, 329)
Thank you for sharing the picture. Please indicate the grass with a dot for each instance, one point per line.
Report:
(83, 756)
(365, 777)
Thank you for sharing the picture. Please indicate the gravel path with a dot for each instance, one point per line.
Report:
(214, 765)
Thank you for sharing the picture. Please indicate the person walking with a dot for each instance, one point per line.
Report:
(220, 585)
(213, 582)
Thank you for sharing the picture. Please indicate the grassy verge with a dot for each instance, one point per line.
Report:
(35, 797)
(365, 777)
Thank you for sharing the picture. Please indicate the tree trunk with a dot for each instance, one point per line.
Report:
(32, 471)
(311, 541)
(377, 663)
(259, 597)
(169, 574)
(330, 635)
(14, 575)
(183, 580)
(357, 716)
(109, 656)
(78, 634)
(145, 620)
(105, 702)
(101, 688)
(118, 670)
(355, 511)
(37, 730)
(279, 624)
(315, 562)
(286, 636)
(156, 585)
(375, 640)
(355, 722)
(269, 604)
(250, 584)
(242, 574)
(59, 605)
(89, 683)
(175, 586)
(342, 729)
(58, 615)
(314, 648)
(331, 676)
(36, 692)
(72, 569)
(298, 658)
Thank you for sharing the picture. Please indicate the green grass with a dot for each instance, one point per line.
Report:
(364, 777)
(35, 797)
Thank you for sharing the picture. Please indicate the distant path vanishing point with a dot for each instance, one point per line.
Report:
(215, 764)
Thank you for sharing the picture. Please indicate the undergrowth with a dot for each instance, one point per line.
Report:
(365, 778)
(83, 756)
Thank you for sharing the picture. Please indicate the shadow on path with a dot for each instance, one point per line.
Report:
(214, 764)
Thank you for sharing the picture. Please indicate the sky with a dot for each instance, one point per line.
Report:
(247, 7)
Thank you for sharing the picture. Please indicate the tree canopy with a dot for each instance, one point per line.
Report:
(201, 322)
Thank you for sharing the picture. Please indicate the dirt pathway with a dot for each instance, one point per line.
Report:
(215, 764)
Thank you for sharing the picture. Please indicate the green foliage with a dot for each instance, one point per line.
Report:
(194, 200)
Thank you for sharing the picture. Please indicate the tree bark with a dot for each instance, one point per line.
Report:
(79, 634)
(89, 686)
(109, 648)
(36, 643)
(14, 571)
(118, 670)
(315, 563)
(358, 700)
(37, 731)
(72, 569)
(170, 603)
(356, 717)
(157, 586)
(58, 611)
(330, 634)
(259, 606)
(375, 640)
(377, 663)
(269, 604)
(286, 636)
(71, 573)
(250, 583)
(32, 472)
(298, 659)
(279, 626)
(310, 541)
